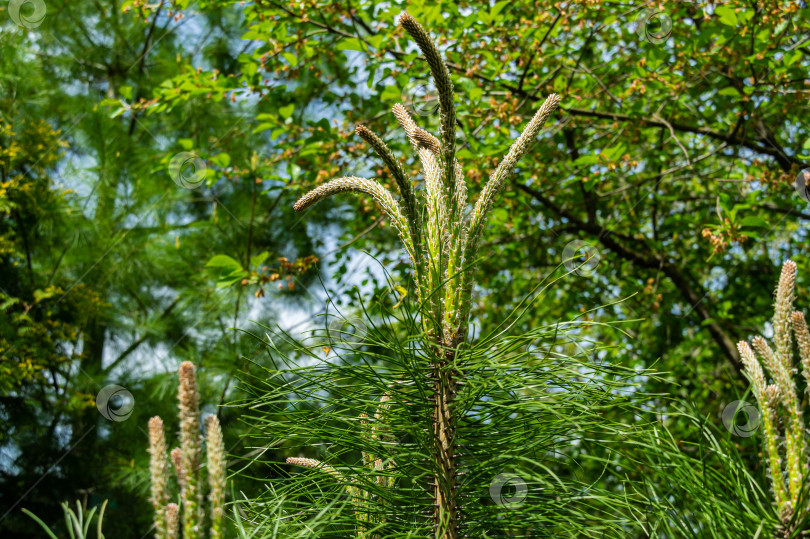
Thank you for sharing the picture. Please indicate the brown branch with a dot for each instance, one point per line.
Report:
(537, 49)
(642, 257)
(132, 347)
(784, 211)
(784, 161)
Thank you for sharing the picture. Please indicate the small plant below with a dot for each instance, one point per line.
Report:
(78, 523)
(188, 514)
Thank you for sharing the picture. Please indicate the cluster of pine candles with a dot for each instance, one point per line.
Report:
(780, 403)
(189, 515)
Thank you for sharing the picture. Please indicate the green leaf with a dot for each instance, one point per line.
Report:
(375, 40)
(754, 222)
(497, 8)
(351, 44)
(587, 160)
(286, 112)
(221, 160)
(262, 127)
(223, 261)
(791, 57)
(252, 35)
(609, 20)
(40, 295)
(729, 90)
(230, 270)
(258, 260)
(390, 92)
(616, 151)
(229, 280)
(727, 15)
(39, 521)
(249, 69)
(9, 302)
(291, 58)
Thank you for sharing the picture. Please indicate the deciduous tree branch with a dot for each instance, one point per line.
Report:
(640, 255)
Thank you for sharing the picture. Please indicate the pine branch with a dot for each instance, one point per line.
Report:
(443, 245)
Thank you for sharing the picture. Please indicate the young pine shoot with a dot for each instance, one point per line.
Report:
(772, 373)
(441, 238)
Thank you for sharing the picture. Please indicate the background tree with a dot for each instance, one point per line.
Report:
(106, 245)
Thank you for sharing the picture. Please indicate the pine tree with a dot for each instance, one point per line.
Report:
(442, 244)
(441, 423)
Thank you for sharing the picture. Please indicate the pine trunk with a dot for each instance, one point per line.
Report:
(444, 431)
